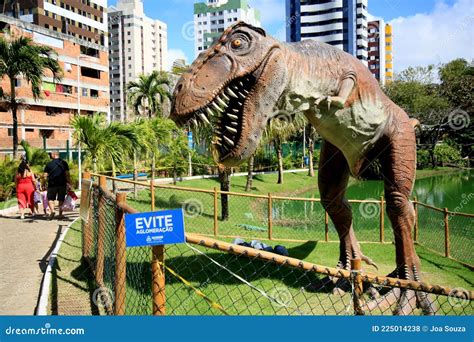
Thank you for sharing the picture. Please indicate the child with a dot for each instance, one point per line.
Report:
(40, 196)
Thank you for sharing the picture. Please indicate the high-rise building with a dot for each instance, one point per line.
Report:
(380, 61)
(388, 53)
(213, 17)
(83, 89)
(341, 23)
(137, 45)
(86, 19)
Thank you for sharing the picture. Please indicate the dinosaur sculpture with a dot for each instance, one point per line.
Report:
(246, 78)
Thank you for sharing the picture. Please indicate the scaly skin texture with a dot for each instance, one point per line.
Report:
(247, 78)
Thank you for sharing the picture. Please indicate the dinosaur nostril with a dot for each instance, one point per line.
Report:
(180, 86)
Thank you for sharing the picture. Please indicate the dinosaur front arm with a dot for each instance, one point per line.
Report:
(347, 84)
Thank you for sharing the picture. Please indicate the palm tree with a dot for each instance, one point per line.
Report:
(248, 185)
(114, 142)
(148, 94)
(313, 136)
(21, 58)
(278, 131)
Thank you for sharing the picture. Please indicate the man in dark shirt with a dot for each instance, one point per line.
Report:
(57, 174)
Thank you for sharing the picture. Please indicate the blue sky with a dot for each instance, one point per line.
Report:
(415, 23)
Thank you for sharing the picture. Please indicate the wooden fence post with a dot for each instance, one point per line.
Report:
(358, 286)
(99, 270)
(270, 216)
(326, 226)
(158, 280)
(216, 212)
(416, 227)
(382, 220)
(447, 247)
(152, 194)
(120, 258)
(86, 227)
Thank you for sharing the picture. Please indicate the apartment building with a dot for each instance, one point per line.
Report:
(84, 88)
(137, 45)
(214, 16)
(341, 23)
(83, 19)
(380, 61)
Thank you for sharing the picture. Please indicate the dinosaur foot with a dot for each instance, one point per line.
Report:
(405, 301)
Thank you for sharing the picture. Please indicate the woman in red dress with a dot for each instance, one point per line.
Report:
(25, 188)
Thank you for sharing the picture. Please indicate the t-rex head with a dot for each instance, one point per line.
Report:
(234, 87)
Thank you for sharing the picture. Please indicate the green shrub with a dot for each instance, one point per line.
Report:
(447, 154)
(423, 159)
(7, 178)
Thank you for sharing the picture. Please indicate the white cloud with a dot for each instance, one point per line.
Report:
(437, 37)
(271, 10)
(174, 54)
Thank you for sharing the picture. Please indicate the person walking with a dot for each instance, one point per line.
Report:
(25, 188)
(57, 174)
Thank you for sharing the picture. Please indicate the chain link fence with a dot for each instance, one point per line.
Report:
(210, 277)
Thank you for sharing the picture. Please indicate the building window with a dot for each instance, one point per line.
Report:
(85, 92)
(89, 72)
(29, 130)
(94, 93)
(17, 83)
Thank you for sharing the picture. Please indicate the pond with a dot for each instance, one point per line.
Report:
(443, 191)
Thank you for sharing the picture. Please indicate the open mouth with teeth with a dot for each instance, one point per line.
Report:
(225, 113)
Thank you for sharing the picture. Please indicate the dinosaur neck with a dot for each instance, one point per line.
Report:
(308, 78)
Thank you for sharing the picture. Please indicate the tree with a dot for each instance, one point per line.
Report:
(424, 102)
(248, 185)
(148, 94)
(313, 136)
(105, 142)
(278, 131)
(19, 57)
(176, 152)
(457, 86)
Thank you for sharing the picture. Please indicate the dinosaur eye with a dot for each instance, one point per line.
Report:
(236, 43)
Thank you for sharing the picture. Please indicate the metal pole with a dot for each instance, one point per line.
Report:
(216, 212)
(382, 220)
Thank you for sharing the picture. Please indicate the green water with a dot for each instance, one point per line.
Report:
(454, 191)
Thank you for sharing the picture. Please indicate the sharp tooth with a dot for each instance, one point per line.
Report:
(228, 141)
(241, 95)
(221, 102)
(240, 104)
(225, 97)
(231, 129)
(235, 87)
(217, 107)
(234, 123)
(245, 91)
(241, 84)
(217, 143)
(195, 122)
(233, 117)
(204, 118)
(209, 111)
(235, 110)
(231, 93)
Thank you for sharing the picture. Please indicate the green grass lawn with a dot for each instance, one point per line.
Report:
(73, 282)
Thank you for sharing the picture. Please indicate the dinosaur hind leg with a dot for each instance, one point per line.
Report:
(398, 160)
(333, 177)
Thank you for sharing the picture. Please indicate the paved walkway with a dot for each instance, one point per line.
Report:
(25, 247)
